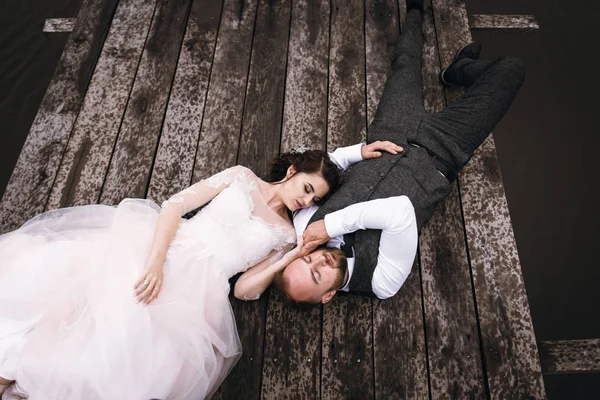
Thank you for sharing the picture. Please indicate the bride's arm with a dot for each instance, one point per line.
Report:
(252, 283)
(197, 195)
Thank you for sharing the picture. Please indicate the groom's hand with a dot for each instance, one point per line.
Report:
(373, 150)
(315, 235)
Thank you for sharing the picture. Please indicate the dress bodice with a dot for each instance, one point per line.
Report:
(237, 228)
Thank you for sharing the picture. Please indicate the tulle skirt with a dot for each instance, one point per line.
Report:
(70, 326)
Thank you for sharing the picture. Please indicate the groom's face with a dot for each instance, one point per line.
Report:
(314, 278)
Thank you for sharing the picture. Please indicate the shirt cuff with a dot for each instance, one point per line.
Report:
(334, 224)
(344, 157)
(354, 153)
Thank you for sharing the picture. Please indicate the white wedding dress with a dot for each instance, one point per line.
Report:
(70, 326)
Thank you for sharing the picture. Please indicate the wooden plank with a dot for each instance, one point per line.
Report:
(402, 12)
(400, 355)
(305, 108)
(81, 174)
(292, 355)
(381, 36)
(133, 155)
(220, 133)
(59, 25)
(259, 145)
(29, 187)
(347, 355)
(346, 113)
(511, 358)
(455, 369)
(174, 163)
(569, 356)
(261, 128)
(481, 21)
(217, 150)
(400, 364)
(347, 364)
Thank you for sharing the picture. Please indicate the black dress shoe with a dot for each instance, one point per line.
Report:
(471, 50)
(414, 4)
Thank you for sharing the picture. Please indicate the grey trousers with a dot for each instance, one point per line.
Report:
(456, 132)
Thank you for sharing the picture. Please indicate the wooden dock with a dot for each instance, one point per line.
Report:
(152, 95)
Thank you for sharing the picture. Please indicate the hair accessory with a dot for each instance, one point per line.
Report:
(300, 149)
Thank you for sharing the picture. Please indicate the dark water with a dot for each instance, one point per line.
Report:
(547, 144)
(548, 147)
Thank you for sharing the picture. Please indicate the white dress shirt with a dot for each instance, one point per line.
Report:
(394, 216)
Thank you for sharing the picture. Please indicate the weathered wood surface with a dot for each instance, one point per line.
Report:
(221, 127)
(259, 143)
(346, 113)
(400, 365)
(564, 356)
(133, 155)
(174, 163)
(347, 360)
(455, 368)
(29, 186)
(59, 25)
(481, 21)
(381, 36)
(305, 108)
(217, 150)
(347, 364)
(509, 346)
(245, 73)
(84, 165)
(292, 354)
(400, 354)
(261, 128)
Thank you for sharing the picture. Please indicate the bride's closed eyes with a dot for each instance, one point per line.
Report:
(308, 188)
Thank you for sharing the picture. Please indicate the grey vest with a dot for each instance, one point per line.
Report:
(411, 174)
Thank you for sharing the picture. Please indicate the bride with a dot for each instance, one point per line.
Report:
(131, 302)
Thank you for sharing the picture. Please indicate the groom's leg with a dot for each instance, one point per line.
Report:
(401, 105)
(456, 132)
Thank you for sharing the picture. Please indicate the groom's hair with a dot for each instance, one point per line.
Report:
(282, 284)
(309, 162)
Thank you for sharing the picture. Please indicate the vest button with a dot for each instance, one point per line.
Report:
(371, 187)
(392, 160)
(382, 174)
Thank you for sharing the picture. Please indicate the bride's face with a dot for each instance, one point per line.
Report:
(302, 190)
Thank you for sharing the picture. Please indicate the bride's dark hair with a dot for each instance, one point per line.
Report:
(309, 162)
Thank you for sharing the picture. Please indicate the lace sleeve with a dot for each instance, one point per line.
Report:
(288, 242)
(202, 192)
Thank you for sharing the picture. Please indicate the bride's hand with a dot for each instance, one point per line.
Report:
(149, 285)
(297, 251)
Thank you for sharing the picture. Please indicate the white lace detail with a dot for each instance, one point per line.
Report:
(203, 191)
(227, 176)
(236, 225)
(179, 198)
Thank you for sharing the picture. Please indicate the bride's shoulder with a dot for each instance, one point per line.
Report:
(243, 171)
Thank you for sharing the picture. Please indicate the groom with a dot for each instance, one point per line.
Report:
(376, 215)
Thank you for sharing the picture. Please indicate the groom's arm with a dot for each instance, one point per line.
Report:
(344, 157)
(395, 217)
